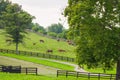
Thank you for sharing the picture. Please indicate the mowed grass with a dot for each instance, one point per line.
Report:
(31, 38)
(8, 76)
(40, 61)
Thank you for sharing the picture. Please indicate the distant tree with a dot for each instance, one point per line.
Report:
(3, 5)
(63, 34)
(37, 28)
(16, 21)
(57, 28)
(52, 34)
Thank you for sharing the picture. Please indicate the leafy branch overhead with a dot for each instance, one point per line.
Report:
(95, 27)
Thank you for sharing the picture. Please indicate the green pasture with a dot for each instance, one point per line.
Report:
(40, 61)
(31, 38)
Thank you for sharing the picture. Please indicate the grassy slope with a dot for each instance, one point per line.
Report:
(39, 47)
(42, 47)
(40, 61)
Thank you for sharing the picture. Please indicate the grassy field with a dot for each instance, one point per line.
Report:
(39, 47)
(40, 61)
(8, 76)
(100, 70)
(42, 47)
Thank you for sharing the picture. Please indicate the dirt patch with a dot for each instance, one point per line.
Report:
(42, 70)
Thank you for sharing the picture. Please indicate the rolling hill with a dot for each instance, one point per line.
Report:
(32, 43)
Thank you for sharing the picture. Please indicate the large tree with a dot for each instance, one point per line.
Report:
(95, 27)
(16, 21)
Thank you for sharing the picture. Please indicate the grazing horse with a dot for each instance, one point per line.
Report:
(8, 40)
(34, 43)
(70, 42)
(49, 51)
(42, 41)
(61, 50)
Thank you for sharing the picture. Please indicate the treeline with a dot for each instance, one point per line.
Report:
(55, 30)
(13, 15)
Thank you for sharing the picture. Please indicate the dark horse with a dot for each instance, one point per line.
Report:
(49, 51)
(42, 41)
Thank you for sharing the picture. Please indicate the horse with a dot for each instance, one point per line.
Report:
(42, 41)
(61, 50)
(8, 40)
(49, 51)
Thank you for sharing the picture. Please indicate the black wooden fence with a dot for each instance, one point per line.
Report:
(42, 55)
(97, 76)
(18, 69)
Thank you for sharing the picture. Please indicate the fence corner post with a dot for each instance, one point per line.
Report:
(57, 72)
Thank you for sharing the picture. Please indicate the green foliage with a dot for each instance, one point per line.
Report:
(3, 5)
(16, 21)
(37, 28)
(63, 34)
(57, 28)
(95, 27)
(53, 34)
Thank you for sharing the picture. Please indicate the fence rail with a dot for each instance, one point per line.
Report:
(42, 55)
(97, 76)
(18, 69)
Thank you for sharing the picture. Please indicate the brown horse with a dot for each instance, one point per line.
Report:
(42, 41)
(8, 40)
(49, 51)
(61, 50)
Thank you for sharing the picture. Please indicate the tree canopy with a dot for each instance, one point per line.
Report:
(15, 21)
(95, 27)
(57, 28)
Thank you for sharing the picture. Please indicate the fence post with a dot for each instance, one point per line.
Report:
(111, 77)
(67, 59)
(88, 76)
(77, 74)
(37, 54)
(7, 51)
(26, 70)
(57, 73)
(36, 71)
(66, 73)
(31, 53)
(99, 76)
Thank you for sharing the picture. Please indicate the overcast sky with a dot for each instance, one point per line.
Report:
(46, 12)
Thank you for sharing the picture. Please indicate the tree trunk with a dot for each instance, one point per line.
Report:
(17, 48)
(118, 70)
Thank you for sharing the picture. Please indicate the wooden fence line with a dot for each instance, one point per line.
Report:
(19, 69)
(49, 56)
(98, 76)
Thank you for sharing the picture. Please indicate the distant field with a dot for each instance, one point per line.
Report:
(39, 47)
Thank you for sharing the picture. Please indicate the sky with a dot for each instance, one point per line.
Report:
(47, 12)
